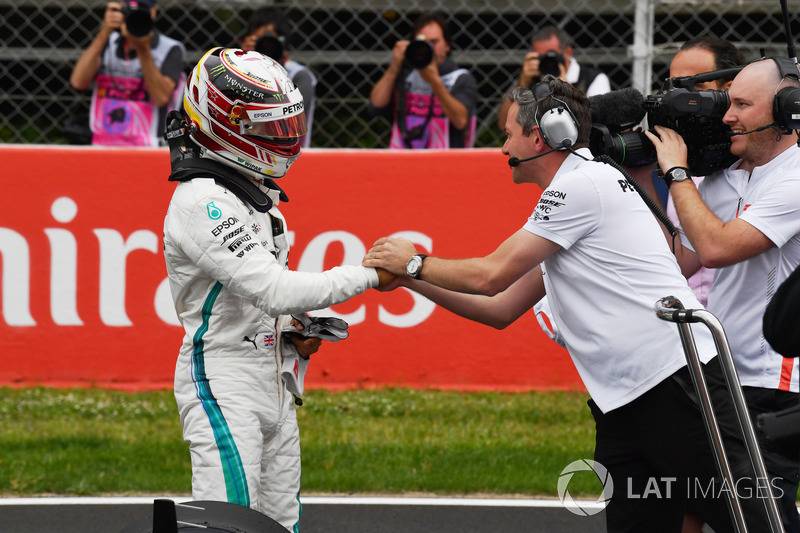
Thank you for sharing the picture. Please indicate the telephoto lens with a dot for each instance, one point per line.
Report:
(138, 19)
(419, 53)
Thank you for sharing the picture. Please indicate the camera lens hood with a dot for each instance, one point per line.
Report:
(419, 53)
(138, 21)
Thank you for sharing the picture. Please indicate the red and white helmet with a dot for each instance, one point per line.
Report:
(247, 111)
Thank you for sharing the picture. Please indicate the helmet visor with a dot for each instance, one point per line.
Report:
(284, 128)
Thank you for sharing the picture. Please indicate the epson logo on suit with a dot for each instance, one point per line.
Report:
(225, 224)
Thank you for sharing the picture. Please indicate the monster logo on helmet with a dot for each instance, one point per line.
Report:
(246, 112)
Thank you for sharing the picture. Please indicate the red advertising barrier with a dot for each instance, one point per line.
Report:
(84, 294)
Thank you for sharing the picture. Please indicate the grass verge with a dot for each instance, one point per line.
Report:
(91, 441)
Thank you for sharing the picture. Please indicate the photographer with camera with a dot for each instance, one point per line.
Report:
(744, 220)
(431, 99)
(268, 32)
(552, 54)
(137, 73)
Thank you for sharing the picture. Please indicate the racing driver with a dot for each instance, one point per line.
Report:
(226, 253)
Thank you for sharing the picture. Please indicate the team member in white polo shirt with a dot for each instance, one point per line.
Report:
(745, 221)
(592, 245)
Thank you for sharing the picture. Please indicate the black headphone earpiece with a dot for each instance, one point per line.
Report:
(558, 126)
(786, 106)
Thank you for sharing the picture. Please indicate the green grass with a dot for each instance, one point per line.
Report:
(86, 442)
(89, 442)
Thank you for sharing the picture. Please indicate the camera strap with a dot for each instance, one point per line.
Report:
(117, 48)
(419, 130)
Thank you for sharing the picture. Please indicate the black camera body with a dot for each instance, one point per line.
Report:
(271, 46)
(697, 117)
(138, 19)
(419, 53)
(549, 63)
(694, 115)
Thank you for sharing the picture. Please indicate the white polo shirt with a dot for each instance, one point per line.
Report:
(769, 200)
(613, 266)
(600, 85)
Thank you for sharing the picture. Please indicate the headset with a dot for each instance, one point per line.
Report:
(786, 106)
(558, 126)
(559, 129)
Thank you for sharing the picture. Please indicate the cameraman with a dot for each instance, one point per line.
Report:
(556, 45)
(703, 54)
(745, 221)
(433, 105)
(137, 73)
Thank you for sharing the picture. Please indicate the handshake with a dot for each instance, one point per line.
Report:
(304, 335)
(390, 255)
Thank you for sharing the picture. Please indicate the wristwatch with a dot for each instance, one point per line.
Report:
(676, 174)
(414, 265)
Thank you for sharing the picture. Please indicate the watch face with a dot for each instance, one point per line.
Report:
(412, 267)
(679, 174)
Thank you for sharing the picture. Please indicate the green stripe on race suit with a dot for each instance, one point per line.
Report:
(233, 471)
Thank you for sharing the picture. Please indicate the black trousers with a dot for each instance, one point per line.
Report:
(659, 456)
(782, 461)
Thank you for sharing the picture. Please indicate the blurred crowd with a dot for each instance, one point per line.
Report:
(137, 74)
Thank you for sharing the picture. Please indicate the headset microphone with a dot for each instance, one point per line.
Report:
(774, 125)
(513, 161)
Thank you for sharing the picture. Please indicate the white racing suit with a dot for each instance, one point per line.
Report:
(227, 266)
